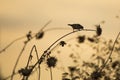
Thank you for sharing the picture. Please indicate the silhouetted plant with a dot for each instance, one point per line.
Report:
(51, 62)
(99, 30)
(81, 39)
(100, 67)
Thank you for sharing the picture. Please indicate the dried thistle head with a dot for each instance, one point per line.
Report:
(81, 39)
(51, 62)
(25, 72)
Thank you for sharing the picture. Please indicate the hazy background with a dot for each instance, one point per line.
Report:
(17, 17)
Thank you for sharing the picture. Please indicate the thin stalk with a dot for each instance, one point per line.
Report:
(45, 25)
(38, 65)
(11, 43)
(23, 37)
(34, 47)
(103, 66)
(10, 76)
(13, 72)
(58, 28)
(30, 56)
(51, 73)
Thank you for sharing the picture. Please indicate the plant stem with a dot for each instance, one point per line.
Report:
(103, 66)
(13, 72)
(11, 43)
(51, 73)
(45, 52)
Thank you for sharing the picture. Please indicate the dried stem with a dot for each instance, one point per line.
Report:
(29, 59)
(13, 72)
(46, 51)
(51, 73)
(45, 25)
(110, 54)
(11, 43)
(10, 76)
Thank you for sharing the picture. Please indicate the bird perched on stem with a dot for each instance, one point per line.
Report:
(98, 30)
(76, 26)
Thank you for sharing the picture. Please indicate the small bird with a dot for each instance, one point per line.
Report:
(98, 30)
(76, 26)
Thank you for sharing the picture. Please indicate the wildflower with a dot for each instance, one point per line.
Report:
(39, 35)
(62, 43)
(99, 30)
(51, 62)
(81, 39)
(76, 26)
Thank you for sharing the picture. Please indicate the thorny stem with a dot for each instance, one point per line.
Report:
(33, 36)
(46, 51)
(44, 54)
(109, 57)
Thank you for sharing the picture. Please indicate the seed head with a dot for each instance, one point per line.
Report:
(51, 62)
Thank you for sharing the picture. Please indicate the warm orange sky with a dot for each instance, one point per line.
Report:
(17, 17)
(38, 12)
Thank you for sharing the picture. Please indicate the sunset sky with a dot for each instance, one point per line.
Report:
(17, 17)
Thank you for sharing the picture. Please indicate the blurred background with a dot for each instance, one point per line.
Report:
(18, 17)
